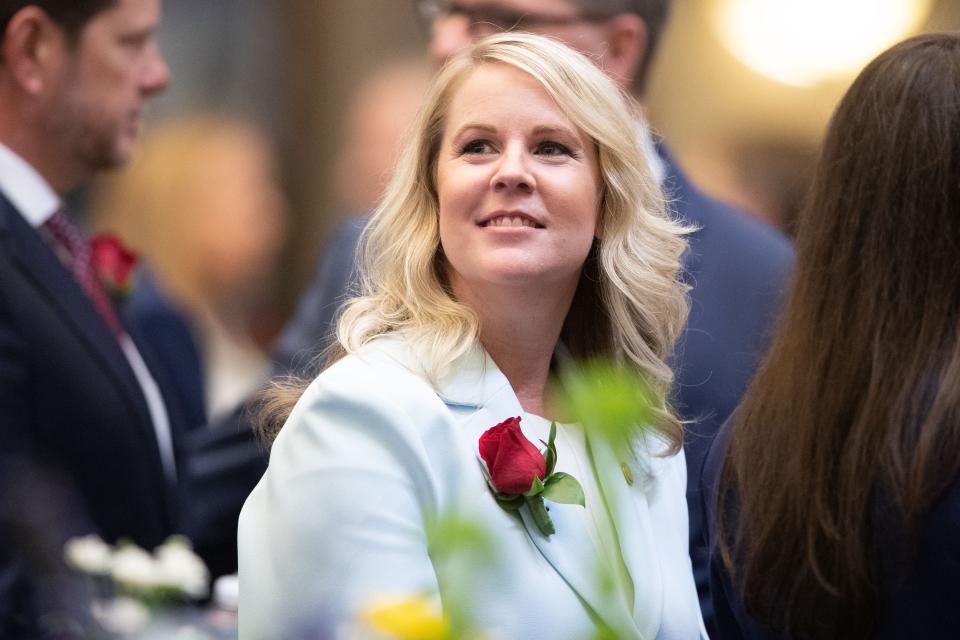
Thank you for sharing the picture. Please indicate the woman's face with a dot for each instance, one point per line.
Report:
(518, 185)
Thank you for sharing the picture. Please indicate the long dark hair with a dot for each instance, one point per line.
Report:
(856, 408)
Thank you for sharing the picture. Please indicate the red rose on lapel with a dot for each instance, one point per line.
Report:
(113, 262)
(513, 461)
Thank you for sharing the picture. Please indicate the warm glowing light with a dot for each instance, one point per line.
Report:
(802, 43)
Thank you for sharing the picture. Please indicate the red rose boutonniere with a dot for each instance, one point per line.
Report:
(520, 474)
(114, 264)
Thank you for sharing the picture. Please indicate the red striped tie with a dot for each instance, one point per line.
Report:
(72, 240)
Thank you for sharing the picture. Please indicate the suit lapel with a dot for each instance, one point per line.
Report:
(482, 397)
(52, 280)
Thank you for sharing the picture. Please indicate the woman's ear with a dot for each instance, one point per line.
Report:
(33, 50)
(627, 43)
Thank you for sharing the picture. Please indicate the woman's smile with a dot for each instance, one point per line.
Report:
(510, 220)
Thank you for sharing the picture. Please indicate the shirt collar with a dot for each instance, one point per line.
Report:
(26, 189)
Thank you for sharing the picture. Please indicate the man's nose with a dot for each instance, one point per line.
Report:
(156, 73)
(450, 34)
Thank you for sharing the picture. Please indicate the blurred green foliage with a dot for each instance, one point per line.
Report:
(609, 400)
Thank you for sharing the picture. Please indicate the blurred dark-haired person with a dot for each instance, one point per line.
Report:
(86, 438)
(838, 505)
(738, 266)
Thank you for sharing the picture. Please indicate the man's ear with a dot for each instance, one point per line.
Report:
(33, 47)
(627, 43)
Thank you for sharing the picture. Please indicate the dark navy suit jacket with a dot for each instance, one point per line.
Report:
(738, 268)
(78, 450)
(920, 584)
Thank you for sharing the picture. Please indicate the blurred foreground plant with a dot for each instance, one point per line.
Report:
(613, 403)
(415, 618)
(607, 399)
(462, 551)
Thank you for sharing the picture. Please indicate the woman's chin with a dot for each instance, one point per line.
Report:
(524, 278)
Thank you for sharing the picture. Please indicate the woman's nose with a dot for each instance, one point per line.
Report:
(513, 172)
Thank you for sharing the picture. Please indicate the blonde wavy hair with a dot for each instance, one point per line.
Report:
(630, 304)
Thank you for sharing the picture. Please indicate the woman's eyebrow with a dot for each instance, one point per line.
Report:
(554, 130)
(544, 129)
(479, 126)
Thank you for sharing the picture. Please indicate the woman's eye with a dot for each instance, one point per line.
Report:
(551, 148)
(475, 146)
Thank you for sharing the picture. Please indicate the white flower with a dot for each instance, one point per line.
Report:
(134, 568)
(180, 568)
(226, 592)
(88, 554)
(122, 615)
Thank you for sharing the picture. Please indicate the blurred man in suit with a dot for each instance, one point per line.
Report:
(86, 438)
(737, 266)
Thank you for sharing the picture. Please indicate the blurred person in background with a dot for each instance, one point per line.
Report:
(88, 443)
(738, 267)
(838, 506)
(200, 203)
(377, 119)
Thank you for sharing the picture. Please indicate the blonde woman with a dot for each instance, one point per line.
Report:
(522, 215)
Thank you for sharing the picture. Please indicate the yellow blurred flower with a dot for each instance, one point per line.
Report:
(410, 619)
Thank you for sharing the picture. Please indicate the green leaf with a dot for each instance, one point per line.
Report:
(511, 503)
(536, 488)
(564, 489)
(540, 516)
(550, 456)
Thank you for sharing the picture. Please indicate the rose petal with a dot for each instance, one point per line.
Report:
(490, 440)
(112, 260)
(517, 462)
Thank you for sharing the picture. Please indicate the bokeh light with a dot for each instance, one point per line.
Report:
(803, 43)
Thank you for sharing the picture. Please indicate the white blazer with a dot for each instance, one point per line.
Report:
(372, 451)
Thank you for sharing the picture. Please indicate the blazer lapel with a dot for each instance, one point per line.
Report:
(634, 530)
(481, 397)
